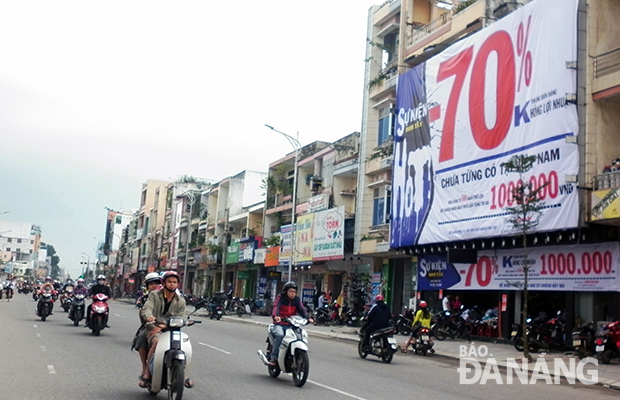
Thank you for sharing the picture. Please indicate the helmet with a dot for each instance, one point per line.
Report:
(80, 280)
(379, 297)
(100, 277)
(152, 277)
(48, 278)
(423, 304)
(168, 274)
(69, 280)
(289, 285)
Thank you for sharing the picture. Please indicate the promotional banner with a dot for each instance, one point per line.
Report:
(303, 239)
(232, 256)
(605, 204)
(562, 268)
(272, 258)
(464, 112)
(286, 237)
(329, 234)
(259, 256)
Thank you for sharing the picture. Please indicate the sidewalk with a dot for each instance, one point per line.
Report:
(608, 375)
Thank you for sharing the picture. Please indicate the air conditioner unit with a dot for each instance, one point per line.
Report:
(232, 229)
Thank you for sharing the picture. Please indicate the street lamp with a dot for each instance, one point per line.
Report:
(87, 265)
(297, 146)
(191, 199)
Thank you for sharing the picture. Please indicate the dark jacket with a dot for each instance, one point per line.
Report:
(95, 289)
(285, 307)
(379, 317)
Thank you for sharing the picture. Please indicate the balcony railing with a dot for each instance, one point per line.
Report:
(432, 26)
(606, 181)
(607, 63)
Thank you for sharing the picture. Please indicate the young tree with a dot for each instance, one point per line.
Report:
(524, 216)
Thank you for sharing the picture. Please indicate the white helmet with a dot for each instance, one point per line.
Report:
(152, 277)
(100, 277)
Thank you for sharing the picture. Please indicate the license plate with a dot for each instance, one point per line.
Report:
(576, 343)
(514, 333)
(425, 337)
(391, 340)
(600, 348)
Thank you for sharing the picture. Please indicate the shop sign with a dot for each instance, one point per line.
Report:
(286, 236)
(272, 256)
(587, 268)
(307, 294)
(275, 275)
(232, 256)
(259, 256)
(318, 203)
(605, 204)
(304, 239)
(246, 251)
(243, 275)
(328, 235)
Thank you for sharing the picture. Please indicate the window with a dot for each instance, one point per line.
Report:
(385, 125)
(19, 240)
(381, 203)
(9, 240)
(8, 249)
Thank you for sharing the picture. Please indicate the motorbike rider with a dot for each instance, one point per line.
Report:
(162, 303)
(378, 318)
(48, 286)
(422, 319)
(100, 287)
(216, 301)
(140, 343)
(9, 288)
(79, 289)
(67, 288)
(287, 304)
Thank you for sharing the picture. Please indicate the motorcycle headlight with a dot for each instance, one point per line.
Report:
(176, 323)
(99, 309)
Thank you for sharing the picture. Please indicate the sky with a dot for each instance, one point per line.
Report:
(98, 97)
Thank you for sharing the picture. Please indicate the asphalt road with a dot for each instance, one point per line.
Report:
(55, 360)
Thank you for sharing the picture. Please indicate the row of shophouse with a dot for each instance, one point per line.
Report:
(412, 205)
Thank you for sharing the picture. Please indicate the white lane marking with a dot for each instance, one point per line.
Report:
(38, 335)
(43, 348)
(120, 316)
(214, 348)
(34, 326)
(336, 390)
(51, 369)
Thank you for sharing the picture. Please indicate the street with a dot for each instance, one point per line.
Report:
(55, 360)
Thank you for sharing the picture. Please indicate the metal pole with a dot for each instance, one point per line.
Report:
(293, 213)
(224, 251)
(191, 198)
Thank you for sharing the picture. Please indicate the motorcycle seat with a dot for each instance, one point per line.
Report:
(382, 332)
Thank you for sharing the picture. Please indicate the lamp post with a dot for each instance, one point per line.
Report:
(297, 146)
(191, 199)
(87, 264)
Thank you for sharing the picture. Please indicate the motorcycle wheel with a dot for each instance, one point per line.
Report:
(361, 353)
(606, 357)
(440, 334)
(404, 329)
(239, 312)
(274, 371)
(177, 380)
(77, 317)
(387, 358)
(518, 343)
(218, 317)
(96, 329)
(302, 367)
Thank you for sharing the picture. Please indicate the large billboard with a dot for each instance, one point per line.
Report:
(467, 110)
(329, 235)
(582, 268)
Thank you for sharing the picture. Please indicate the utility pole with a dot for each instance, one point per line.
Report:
(224, 251)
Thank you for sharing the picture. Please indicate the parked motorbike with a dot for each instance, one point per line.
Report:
(293, 356)
(403, 322)
(77, 310)
(321, 315)
(583, 340)
(541, 334)
(382, 344)
(608, 342)
(44, 306)
(423, 343)
(241, 307)
(449, 325)
(98, 313)
(172, 356)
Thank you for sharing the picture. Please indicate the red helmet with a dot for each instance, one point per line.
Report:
(423, 304)
(379, 297)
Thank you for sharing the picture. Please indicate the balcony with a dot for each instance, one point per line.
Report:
(379, 164)
(605, 199)
(384, 82)
(374, 245)
(606, 83)
(442, 31)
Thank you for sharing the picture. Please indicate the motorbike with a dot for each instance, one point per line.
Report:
(423, 344)
(216, 312)
(403, 322)
(172, 356)
(241, 307)
(293, 356)
(608, 342)
(76, 312)
(449, 325)
(65, 299)
(322, 315)
(382, 344)
(541, 334)
(98, 313)
(583, 340)
(44, 306)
